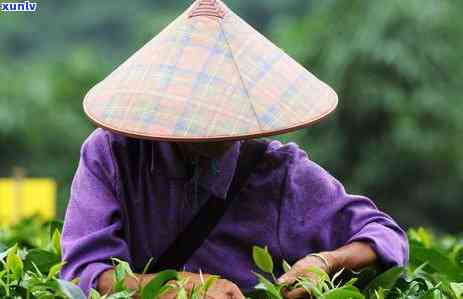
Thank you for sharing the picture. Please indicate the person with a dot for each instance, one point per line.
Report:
(178, 122)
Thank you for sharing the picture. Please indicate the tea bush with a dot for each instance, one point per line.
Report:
(30, 261)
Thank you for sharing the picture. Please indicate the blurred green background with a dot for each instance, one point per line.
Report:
(396, 65)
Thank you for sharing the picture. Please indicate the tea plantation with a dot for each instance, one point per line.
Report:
(30, 256)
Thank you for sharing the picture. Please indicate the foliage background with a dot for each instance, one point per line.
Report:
(396, 65)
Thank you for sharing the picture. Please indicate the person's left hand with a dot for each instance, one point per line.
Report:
(299, 269)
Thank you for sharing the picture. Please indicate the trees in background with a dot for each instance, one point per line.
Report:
(397, 134)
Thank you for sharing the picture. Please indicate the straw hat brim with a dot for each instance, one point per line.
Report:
(209, 76)
(170, 138)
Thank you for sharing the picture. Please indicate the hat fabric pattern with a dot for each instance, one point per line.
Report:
(208, 76)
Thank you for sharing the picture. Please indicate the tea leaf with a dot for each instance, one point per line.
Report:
(52, 226)
(55, 241)
(422, 236)
(380, 293)
(337, 275)
(43, 259)
(125, 294)
(351, 282)
(385, 280)
(265, 284)
(14, 264)
(343, 293)
(262, 259)
(155, 286)
(94, 294)
(54, 270)
(457, 254)
(432, 294)
(436, 260)
(182, 294)
(147, 266)
(321, 275)
(286, 266)
(121, 270)
(209, 282)
(71, 290)
(457, 288)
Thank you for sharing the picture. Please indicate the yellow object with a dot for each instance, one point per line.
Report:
(20, 198)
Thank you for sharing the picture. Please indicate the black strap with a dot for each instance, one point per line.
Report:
(194, 235)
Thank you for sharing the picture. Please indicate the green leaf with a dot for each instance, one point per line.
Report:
(55, 241)
(209, 282)
(380, 293)
(14, 264)
(422, 236)
(43, 259)
(436, 260)
(385, 280)
(431, 294)
(194, 293)
(343, 293)
(153, 289)
(54, 270)
(147, 266)
(71, 290)
(322, 275)
(121, 270)
(457, 255)
(262, 259)
(54, 225)
(125, 294)
(182, 294)
(19, 292)
(337, 275)
(457, 288)
(286, 266)
(94, 294)
(266, 285)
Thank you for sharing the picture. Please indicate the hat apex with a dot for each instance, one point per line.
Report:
(209, 8)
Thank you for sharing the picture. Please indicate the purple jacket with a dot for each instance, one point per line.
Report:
(130, 198)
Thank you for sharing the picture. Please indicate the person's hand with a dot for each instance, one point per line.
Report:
(300, 269)
(221, 289)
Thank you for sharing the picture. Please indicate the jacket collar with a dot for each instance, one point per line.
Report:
(215, 175)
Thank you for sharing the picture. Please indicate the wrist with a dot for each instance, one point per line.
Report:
(332, 261)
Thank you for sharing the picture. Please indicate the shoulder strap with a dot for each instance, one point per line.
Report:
(194, 235)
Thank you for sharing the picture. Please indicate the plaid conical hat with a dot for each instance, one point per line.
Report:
(208, 76)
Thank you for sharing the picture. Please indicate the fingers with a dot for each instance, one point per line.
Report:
(288, 278)
(235, 293)
(224, 289)
(297, 294)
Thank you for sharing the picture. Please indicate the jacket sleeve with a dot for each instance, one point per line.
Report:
(91, 233)
(319, 215)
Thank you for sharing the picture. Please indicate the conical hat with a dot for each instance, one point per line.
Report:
(208, 76)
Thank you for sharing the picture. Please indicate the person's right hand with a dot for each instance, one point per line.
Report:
(221, 289)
